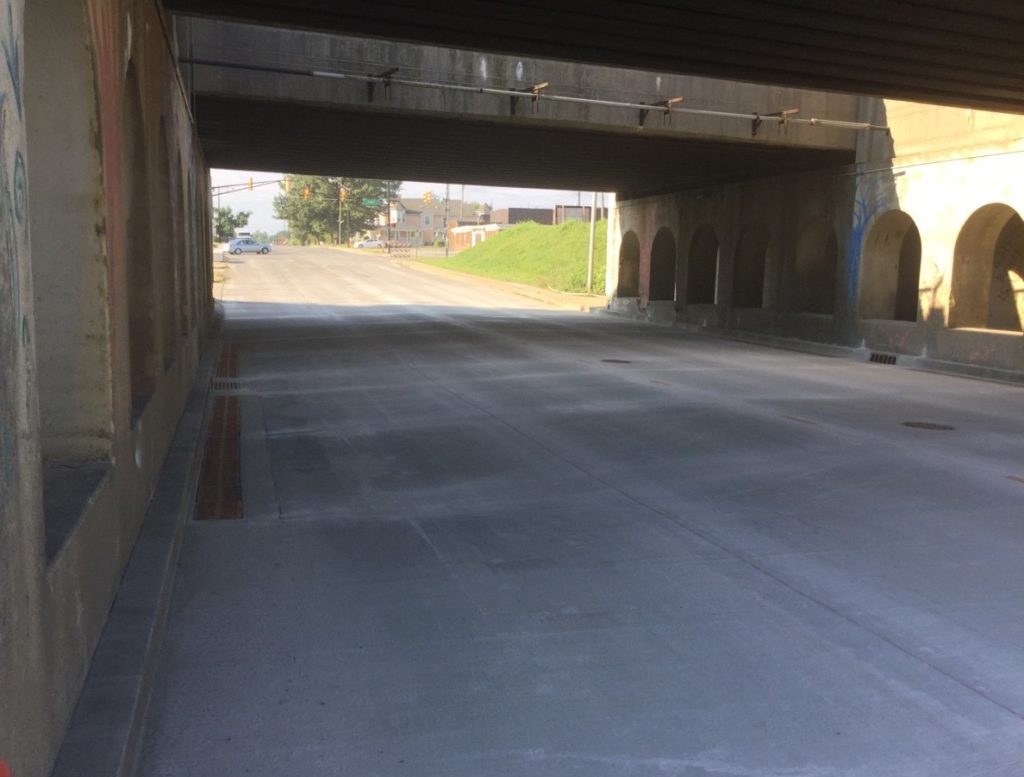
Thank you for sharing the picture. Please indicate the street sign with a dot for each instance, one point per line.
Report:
(370, 202)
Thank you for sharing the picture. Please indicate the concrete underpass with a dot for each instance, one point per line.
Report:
(759, 514)
(482, 535)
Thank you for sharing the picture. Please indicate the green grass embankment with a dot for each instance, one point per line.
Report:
(548, 257)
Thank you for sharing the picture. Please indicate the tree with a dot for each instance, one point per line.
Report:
(225, 222)
(311, 205)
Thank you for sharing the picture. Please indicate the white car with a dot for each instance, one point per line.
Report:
(246, 245)
(370, 244)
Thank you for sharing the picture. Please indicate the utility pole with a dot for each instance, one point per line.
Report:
(590, 250)
(387, 210)
(447, 189)
(462, 201)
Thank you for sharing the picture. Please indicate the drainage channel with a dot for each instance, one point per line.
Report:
(220, 484)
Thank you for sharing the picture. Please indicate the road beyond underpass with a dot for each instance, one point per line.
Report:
(485, 537)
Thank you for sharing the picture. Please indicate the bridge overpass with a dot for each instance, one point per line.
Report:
(904, 246)
(939, 51)
(309, 102)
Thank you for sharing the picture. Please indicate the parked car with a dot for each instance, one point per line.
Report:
(246, 245)
(370, 244)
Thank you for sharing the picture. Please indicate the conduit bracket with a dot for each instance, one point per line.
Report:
(785, 116)
(755, 125)
(664, 105)
(385, 78)
(534, 92)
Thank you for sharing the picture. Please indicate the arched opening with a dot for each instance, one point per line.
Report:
(663, 266)
(988, 271)
(890, 269)
(817, 257)
(702, 267)
(629, 266)
(749, 267)
(142, 321)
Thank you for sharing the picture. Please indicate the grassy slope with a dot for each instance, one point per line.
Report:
(553, 257)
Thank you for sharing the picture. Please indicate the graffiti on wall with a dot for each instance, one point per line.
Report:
(8, 231)
(12, 55)
(870, 199)
(14, 326)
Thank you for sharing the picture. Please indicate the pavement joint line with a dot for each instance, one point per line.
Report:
(801, 420)
(1018, 478)
(736, 554)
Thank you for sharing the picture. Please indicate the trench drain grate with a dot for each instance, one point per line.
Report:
(225, 386)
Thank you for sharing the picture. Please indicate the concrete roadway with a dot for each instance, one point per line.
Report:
(478, 544)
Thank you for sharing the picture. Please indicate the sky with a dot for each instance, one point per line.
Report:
(261, 200)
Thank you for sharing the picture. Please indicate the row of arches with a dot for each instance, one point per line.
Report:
(815, 268)
(987, 287)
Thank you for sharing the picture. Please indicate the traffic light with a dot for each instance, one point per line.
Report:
(287, 185)
(342, 195)
(249, 185)
(306, 193)
(428, 198)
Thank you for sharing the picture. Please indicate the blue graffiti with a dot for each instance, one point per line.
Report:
(8, 238)
(12, 53)
(20, 188)
(868, 202)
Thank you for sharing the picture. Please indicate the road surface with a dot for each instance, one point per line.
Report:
(483, 537)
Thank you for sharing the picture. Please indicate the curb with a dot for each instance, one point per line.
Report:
(850, 353)
(106, 728)
(583, 302)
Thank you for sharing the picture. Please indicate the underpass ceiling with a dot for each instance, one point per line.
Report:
(943, 51)
(299, 138)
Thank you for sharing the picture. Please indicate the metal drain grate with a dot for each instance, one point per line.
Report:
(225, 386)
(929, 426)
(616, 361)
(882, 358)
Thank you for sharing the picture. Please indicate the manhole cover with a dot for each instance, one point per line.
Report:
(929, 426)
(616, 361)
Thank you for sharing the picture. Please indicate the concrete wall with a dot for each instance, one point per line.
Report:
(917, 249)
(247, 44)
(105, 280)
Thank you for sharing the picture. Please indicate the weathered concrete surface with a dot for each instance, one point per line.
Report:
(476, 547)
(104, 276)
(928, 251)
(934, 51)
(258, 113)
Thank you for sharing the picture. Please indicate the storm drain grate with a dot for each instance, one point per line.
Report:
(882, 358)
(220, 485)
(616, 361)
(225, 386)
(929, 426)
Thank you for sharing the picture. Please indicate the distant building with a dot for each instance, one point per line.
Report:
(519, 215)
(563, 213)
(461, 238)
(417, 223)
